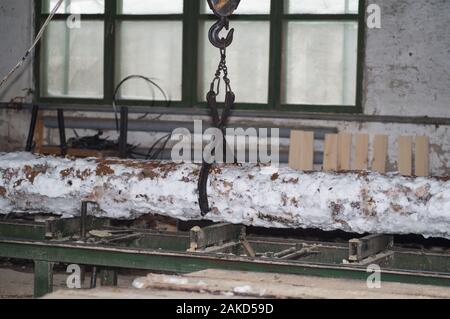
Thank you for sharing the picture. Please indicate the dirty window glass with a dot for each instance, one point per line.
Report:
(73, 60)
(245, 7)
(248, 64)
(75, 6)
(321, 6)
(159, 58)
(150, 6)
(319, 64)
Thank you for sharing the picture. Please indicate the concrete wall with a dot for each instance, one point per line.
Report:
(406, 73)
(16, 32)
(408, 60)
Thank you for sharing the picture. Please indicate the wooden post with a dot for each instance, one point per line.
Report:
(380, 155)
(405, 145)
(422, 156)
(330, 156)
(344, 151)
(301, 151)
(362, 152)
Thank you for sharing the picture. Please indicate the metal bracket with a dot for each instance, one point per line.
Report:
(220, 238)
(294, 253)
(368, 247)
(83, 218)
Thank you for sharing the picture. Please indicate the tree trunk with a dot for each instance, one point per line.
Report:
(252, 195)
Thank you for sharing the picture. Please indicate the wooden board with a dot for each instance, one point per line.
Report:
(361, 152)
(422, 167)
(344, 151)
(301, 151)
(380, 153)
(405, 146)
(330, 156)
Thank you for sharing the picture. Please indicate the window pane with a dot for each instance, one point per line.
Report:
(72, 64)
(152, 49)
(75, 6)
(322, 6)
(245, 7)
(320, 60)
(248, 61)
(150, 6)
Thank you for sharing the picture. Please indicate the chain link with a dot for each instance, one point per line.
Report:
(221, 69)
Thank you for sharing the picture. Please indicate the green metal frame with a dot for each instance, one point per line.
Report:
(190, 19)
(161, 251)
(45, 254)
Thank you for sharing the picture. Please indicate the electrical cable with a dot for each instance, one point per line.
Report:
(36, 41)
(159, 151)
(136, 76)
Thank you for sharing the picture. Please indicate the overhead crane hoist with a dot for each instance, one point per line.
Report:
(222, 9)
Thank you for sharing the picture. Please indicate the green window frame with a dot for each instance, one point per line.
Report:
(191, 18)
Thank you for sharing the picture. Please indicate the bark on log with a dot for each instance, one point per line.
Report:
(253, 195)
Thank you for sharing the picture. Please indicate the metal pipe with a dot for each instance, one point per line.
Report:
(94, 277)
(167, 126)
(123, 140)
(34, 117)
(166, 155)
(253, 114)
(62, 132)
(83, 217)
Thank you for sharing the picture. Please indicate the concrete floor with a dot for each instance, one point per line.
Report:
(16, 282)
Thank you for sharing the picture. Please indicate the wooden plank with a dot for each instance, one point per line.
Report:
(380, 156)
(405, 145)
(301, 151)
(344, 151)
(422, 156)
(295, 150)
(330, 157)
(361, 152)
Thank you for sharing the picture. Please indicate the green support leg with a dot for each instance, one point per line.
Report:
(43, 278)
(108, 278)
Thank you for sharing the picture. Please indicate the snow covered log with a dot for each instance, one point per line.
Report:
(253, 195)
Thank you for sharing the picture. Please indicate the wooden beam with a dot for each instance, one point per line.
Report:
(361, 152)
(422, 156)
(250, 195)
(301, 151)
(380, 153)
(330, 158)
(405, 145)
(344, 151)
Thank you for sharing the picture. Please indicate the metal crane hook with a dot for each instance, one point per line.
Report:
(214, 34)
(222, 9)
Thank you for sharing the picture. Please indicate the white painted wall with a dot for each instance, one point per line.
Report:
(407, 73)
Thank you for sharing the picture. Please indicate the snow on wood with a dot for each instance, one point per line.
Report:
(252, 195)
